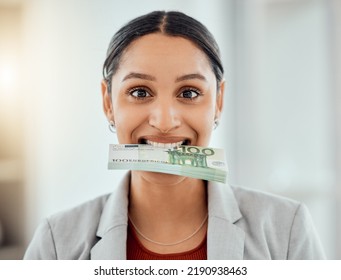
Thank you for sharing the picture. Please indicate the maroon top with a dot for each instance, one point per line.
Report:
(136, 251)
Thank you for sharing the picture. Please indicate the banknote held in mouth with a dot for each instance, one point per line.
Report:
(193, 161)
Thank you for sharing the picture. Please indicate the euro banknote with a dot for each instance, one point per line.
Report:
(192, 161)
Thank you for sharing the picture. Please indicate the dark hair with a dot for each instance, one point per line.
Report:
(170, 23)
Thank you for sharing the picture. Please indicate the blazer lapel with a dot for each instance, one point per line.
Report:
(112, 246)
(225, 239)
(112, 228)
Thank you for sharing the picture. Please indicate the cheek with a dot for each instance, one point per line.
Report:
(206, 113)
(126, 120)
(202, 122)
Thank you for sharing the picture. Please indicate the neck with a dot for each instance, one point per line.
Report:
(170, 200)
(168, 209)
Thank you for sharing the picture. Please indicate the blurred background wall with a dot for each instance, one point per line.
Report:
(280, 128)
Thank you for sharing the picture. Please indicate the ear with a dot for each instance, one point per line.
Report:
(107, 102)
(220, 100)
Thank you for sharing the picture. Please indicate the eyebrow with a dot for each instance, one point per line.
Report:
(191, 77)
(135, 75)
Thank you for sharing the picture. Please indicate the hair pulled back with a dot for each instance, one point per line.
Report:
(169, 23)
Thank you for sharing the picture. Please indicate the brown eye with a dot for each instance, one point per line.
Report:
(189, 94)
(139, 93)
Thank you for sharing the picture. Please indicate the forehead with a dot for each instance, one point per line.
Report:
(165, 50)
(155, 40)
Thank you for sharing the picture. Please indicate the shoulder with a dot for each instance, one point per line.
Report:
(69, 234)
(257, 202)
(276, 227)
(86, 212)
(266, 211)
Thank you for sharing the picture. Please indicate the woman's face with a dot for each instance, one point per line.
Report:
(163, 93)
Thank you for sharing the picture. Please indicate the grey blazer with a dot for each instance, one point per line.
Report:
(242, 224)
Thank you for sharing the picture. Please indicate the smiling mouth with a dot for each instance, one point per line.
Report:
(164, 143)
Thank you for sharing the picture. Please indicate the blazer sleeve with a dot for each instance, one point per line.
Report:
(304, 243)
(42, 246)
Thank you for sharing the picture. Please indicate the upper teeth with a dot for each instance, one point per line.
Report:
(164, 145)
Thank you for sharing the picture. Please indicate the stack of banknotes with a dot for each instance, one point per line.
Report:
(191, 161)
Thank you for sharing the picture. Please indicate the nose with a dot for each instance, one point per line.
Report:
(164, 116)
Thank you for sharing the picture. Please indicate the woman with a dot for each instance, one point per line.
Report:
(163, 85)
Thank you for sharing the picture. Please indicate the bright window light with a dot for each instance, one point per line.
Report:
(7, 78)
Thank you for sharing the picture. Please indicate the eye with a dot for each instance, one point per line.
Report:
(139, 93)
(190, 93)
